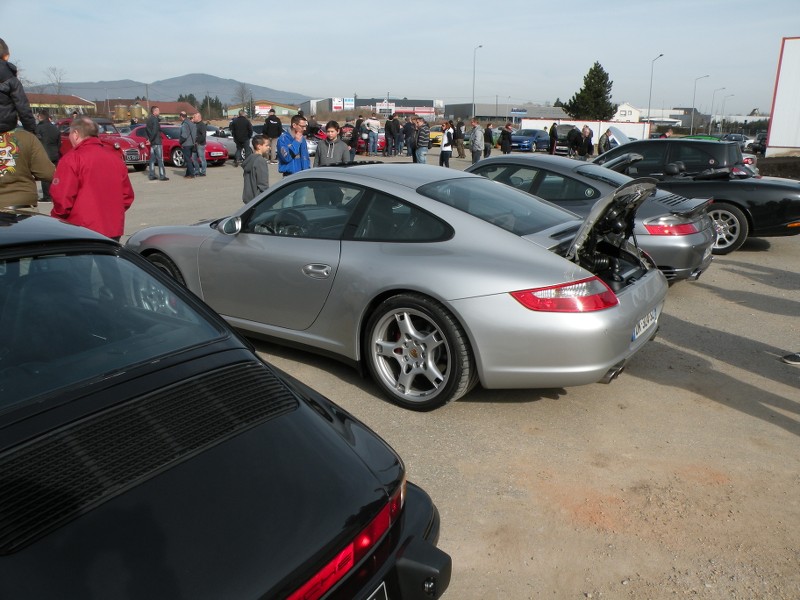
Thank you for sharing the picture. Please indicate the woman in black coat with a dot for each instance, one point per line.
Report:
(505, 139)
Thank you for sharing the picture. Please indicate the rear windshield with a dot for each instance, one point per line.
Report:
(76, 317)
(498, 204)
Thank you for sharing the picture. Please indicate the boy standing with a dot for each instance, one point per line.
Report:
(332, 150)
(256, 169)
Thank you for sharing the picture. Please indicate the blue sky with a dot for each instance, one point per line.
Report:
(532, 50)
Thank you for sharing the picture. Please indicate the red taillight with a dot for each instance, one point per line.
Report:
(585, 295)
(667, 228)
(362, 544)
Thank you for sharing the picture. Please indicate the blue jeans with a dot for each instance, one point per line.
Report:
(422, 154)
(157, 154)
(372, 143)
(187, 158)
(200, 157)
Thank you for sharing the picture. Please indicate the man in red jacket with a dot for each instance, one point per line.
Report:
(91, 186)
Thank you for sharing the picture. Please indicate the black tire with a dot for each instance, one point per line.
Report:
(176, 157)
(139, 168)
(732, 227)
(417, 353)
(165, 264)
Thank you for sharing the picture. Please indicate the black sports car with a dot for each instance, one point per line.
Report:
(147, 452)
(744, 205)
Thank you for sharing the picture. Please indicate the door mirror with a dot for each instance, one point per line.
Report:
(230, 225)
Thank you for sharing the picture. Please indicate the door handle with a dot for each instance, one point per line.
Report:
(317, 271)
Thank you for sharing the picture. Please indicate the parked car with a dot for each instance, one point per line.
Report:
(377, 265)
(675, 231)
(149, 452)
(741, 139)
(361, 145)
(216, 134)
(562, 145)
(216, 153)
(744, 205)
(531, 140)
(436, 135)
(136, 154)
(759, 144)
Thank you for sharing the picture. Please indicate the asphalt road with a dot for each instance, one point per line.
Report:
(680, 478)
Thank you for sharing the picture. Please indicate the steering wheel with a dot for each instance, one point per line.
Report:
(290, 222)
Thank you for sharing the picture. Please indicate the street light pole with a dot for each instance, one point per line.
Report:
(723, 108)
(650, 97)
(694, 94)
(474, 59)
(711, 116)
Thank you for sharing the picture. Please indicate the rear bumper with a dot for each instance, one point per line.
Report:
(407, 562)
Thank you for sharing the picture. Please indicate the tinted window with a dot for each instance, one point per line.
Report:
(696, 157)
(654, 157)
(517, 176)
(388, 219)
(309, 209)
(500, 205)
(173, 133)
(70, 318)
(557, 188)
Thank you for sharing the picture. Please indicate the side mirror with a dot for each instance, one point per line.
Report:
(671, 169)
(230, 225)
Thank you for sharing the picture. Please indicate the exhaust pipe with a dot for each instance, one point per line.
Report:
(613, 373)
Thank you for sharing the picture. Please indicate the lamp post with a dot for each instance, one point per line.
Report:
(711, 116)
(650, 97)
(723, 107)
(474, 58)
(694, 94)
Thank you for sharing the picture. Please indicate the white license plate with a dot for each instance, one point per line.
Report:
(645, 323)
(380, 593)
(216, 154)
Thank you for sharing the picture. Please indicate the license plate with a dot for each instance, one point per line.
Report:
(216, 154)
(380, 593)
(645, 323)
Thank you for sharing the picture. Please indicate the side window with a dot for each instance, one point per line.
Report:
(695, 159)
(310, 209)
(555, 187)
(655, 156)
(516, 176)
(387, 219)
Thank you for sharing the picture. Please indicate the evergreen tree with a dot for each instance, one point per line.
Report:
(593, 101)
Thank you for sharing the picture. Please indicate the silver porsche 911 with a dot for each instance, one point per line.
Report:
(431, 279)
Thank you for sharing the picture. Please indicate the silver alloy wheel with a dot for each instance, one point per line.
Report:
(177, 158)
(731, 225)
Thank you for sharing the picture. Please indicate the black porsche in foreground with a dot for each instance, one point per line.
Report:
(147, 452)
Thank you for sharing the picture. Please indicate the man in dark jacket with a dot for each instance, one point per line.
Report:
(273, 128)
(458, 136)
(51, 140)
(410, 135)
(14, 104)
(242, 131)
(200, 144)
(153, 131)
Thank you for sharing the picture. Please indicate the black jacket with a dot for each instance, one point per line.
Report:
(50, 137)
(14, 104)
(273, 128)
(202, 130)
(242, 130)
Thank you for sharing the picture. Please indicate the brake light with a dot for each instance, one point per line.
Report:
(665, 227)
(366, 540)
(586, 295)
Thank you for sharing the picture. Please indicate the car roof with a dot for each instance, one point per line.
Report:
(406, 174)
(561, 164)
(22, 227)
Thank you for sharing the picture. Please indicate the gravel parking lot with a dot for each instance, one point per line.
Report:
(679, 479)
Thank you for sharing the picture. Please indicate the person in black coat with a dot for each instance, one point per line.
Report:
(48, 134)
(14, 105)
(242, 131)
(505, 139)
(553, 138)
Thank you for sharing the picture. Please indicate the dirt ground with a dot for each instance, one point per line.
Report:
(780, 167)
(680, 479)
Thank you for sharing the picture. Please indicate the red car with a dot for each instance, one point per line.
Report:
(381, 145)
(136, 154)
(216, 153)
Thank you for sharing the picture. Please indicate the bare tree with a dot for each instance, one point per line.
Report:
(55, 79)
(241, 94)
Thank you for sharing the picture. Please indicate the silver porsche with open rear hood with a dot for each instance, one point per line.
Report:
(431, 280)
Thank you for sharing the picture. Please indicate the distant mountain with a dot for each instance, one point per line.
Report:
(198, 84)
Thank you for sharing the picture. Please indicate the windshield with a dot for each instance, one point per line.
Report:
(107, 128)
(498, 204)
(76, 317)
(602, 174)
(527, 132)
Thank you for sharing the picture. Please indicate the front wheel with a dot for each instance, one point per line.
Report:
(418, 353)
(177, 157)
(165, 264)
(731, 225)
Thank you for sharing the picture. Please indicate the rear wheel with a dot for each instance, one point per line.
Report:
(165, 264)
(139, 167)
(732, 227)
(176, 156)
(418, 353)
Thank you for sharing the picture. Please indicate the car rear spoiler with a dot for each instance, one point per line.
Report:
(692, 207)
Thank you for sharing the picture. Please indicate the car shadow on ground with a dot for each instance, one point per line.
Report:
(677, 359)
(766, 276)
